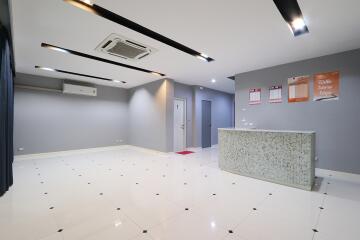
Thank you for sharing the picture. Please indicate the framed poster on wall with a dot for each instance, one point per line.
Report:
(254, 96)
(298, 89)
(326, 86)
(275, 94)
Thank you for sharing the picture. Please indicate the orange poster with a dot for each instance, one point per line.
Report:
(326, 86)
(298, 89)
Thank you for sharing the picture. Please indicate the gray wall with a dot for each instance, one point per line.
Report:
(186, 92)
(222, 112)
(336, 122)
(151, 115)
(47, 121)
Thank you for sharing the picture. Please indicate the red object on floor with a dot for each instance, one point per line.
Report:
(185, 152)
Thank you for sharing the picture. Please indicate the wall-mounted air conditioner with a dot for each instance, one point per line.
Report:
(79, 90)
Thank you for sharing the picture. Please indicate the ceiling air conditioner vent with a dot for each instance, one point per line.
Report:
(120, 46)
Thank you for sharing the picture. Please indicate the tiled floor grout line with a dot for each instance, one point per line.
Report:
(322, 205)
(51, 212)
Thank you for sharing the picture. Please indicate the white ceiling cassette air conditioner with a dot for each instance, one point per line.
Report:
(70, 88)
(125, 48)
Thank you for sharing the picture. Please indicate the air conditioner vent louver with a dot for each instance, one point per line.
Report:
(120, 46)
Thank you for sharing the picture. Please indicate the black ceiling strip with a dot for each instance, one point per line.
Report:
(290, 10)
(137, 27)
(46, 45)
(232, 78)
(77, 74)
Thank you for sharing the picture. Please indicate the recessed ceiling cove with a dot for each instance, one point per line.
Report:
(103, 12)
(80, 54)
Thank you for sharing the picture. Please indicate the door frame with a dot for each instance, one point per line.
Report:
(185, 120)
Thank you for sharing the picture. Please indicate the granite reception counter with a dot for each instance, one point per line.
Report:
(284, 157)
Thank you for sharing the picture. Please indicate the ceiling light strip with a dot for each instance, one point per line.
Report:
(291, 12)
(102, 12)
(65, 50)
(77, 74)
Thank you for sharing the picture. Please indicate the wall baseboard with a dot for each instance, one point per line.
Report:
(344, 176)
(66, 153)
(82, 151)
(319, 172)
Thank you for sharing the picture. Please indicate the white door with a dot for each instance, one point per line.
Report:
(179, 125)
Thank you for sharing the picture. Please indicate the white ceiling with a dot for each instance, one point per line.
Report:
(241, 35)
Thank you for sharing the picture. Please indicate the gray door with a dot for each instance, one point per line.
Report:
(206, 124)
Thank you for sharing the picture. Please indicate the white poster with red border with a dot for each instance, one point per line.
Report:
(275, 94)
(254, 96)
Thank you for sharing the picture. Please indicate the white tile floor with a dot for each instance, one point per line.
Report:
(132, 194)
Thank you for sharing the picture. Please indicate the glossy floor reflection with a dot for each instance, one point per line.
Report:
(130, 193)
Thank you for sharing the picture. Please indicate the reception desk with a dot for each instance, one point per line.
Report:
(284, 157)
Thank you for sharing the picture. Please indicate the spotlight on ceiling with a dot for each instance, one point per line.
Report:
(291, 12)
(213, 80)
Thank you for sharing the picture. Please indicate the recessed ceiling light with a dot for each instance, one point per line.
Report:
(157, 74)
(202, 58)
(291, 12)
(76, 74)
(117, 81)
(213, 80)
(45, 68)
(111, 16)
(298, 24)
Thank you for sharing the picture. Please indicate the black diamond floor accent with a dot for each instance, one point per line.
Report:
(60, 230)
(144, 231)
(101, 194)
(231, 231)
(254, 209)
(270, 194)
(51, 208)
(321, 208)
(186, 209)
(118, 209)
(214, 194)
(315, 230)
